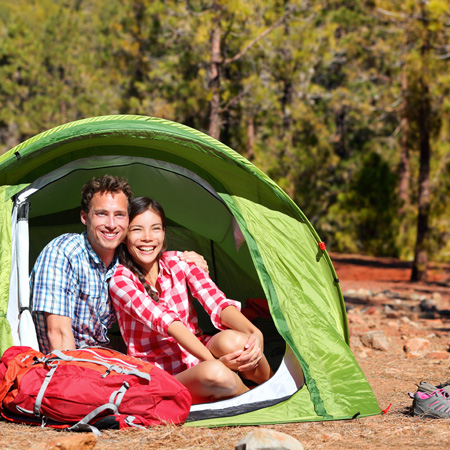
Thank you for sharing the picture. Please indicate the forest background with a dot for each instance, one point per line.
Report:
(344, 103)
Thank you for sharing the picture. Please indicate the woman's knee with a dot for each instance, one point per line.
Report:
(216, 374)
(211, 381)
(227, 341)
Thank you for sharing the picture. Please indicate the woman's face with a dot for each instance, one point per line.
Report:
(145, 238)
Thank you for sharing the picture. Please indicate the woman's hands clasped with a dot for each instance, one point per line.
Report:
(246, 359)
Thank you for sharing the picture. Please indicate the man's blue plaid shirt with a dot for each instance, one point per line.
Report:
(69, 279)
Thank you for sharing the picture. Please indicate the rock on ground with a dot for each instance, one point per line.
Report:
(265, 439)
(416, 345)
(70, 442)
(376, 340)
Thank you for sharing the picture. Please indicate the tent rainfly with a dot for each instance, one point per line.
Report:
(257, 242)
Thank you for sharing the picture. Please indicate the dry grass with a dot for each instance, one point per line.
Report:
(391, 374)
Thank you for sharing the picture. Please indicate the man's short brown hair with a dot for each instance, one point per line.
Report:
(104, 184)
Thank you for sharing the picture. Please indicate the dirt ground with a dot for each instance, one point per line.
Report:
(378, 296)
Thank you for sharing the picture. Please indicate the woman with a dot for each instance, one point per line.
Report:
(159, 324)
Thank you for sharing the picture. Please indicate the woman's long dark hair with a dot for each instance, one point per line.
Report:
(138, 206)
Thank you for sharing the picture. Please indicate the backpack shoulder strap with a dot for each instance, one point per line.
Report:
(109, 367)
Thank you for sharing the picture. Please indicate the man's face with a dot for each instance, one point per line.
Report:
(106, 223)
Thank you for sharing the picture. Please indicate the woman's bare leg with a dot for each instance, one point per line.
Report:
(229, 341)
(210, 381)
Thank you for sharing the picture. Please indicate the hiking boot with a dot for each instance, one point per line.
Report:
(435, 405)
(428, 388)
(445, 386)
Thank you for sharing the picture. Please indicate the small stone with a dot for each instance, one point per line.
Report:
(363, 294)
(427, 305)
(331, 436)
(437, 299)
(350, 293)
(412, 355)
(371, 310)
(437, 355)
(265, 439)
(355, 342)
(416, 345)
(355, 318)
(363, 353)
(433, 322)
(376, 340)
(414, 316)
(72, 442)
(379, 297)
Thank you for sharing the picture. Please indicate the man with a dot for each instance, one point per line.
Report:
(69, 282)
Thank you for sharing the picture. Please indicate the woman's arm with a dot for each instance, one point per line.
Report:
(232, 318)
(225, 314)
(208, 294)
(189, 341)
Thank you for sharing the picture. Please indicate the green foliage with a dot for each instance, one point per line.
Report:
(52, 66)
(365, 213)
(315, 100)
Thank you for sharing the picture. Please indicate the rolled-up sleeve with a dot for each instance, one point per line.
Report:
(52, 286)
(208, 294)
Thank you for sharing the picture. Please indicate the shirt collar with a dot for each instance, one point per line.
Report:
(93, 255)
(163, 268)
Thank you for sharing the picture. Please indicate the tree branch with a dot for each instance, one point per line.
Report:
(235, 99)
(392, 14)
(258, 38)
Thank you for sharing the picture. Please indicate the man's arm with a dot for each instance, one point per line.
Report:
(59, 332)
(195, 258)
(53, 292)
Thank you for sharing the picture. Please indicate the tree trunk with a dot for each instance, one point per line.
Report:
(138, 72)
(250, 139)
(404, 169)
(287, 156)
(214, 77)
(12, 136)
(420, 264)
(217, 63)
(419, 271)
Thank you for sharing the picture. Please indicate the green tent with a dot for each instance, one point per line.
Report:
(256, 240)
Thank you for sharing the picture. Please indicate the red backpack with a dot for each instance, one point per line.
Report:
(77, 389)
